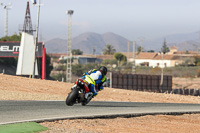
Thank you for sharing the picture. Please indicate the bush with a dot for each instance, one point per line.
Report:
(60, 68)
(79, 69)
(59, 77)
(198, 72)
(109, 61)
(156, 70)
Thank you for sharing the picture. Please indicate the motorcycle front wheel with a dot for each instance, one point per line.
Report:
(71, 99)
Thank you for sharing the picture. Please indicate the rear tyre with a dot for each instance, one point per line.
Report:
(86, 101)
(71, 99)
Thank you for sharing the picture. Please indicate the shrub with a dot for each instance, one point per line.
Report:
(198, 72)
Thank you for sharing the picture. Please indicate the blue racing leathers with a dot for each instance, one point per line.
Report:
(95, 78)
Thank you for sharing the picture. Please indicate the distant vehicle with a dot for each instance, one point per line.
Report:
(107, 83)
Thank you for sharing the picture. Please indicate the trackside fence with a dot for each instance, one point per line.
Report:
(192, 92)
(151, 83)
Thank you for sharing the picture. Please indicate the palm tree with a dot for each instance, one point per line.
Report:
(120, 58)
(109, 50)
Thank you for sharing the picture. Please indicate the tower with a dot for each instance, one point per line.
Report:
(6, 8)
(27, 27)
(69, 47)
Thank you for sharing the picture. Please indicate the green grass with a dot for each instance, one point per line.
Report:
(27, 127)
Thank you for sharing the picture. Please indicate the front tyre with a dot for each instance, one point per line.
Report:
(71, 99)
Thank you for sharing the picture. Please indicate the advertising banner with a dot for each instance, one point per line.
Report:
(11, 49)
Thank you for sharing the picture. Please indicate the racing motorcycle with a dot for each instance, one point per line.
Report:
(77, 94)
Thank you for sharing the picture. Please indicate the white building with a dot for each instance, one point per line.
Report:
(156, 59)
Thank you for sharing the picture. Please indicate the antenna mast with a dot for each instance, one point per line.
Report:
(27, 27)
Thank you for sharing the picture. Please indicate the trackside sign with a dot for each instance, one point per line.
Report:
(11, 49)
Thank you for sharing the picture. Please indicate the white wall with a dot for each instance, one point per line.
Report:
(153, 63)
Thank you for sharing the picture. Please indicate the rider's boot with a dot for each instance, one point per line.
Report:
(88, 95)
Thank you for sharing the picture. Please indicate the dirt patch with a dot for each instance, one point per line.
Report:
(143, 124)
(188, 83)
(20, 88)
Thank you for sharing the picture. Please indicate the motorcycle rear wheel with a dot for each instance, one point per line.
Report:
(71, 99)
(86, 101)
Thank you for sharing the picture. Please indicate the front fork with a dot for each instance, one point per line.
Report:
(81, 95)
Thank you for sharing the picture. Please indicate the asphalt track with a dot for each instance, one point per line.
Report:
(23, 111)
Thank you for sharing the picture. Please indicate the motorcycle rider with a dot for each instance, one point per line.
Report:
(95, 79)
(98, 76)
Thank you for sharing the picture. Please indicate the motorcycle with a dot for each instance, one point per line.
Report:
(77, 94)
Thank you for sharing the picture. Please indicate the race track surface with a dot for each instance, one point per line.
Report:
(21, 111)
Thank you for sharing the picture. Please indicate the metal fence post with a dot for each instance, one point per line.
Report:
(110, 79)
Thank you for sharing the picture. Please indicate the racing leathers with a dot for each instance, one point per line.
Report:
(95, 79)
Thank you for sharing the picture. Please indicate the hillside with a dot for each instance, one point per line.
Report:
(87, 41)
(187, 41)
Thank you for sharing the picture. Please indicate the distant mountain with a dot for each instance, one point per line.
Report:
(189, 41)
(87, 41)
(56, 45)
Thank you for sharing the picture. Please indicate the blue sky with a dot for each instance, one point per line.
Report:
(132, 19)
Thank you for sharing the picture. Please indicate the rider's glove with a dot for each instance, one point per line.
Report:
(101, 88)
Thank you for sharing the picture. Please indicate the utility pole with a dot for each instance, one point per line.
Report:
(36, 37)
(134, 66)
(6, 8)
(128, 50)
(162, 68)
(93, 50)
(141, 42)
(199, 45)
(69, 47)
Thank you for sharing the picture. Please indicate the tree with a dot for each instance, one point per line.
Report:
(164, 48)
(14, 37)
(187, 62)
(77, 52)
(139, 49)
(120, 58)
(197, 60)
(186, 52)
(109, 50)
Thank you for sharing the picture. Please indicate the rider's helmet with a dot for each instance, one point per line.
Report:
(103, 69)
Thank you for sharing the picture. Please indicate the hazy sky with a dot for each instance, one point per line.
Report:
(129, 18)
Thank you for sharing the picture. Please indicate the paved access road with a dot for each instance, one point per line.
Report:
(20, 111)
